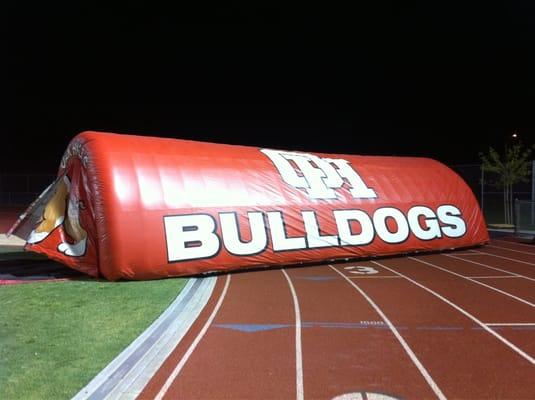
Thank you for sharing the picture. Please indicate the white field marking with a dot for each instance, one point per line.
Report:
(361, 270)
(374, 277)
(463, 254)
(193, 345)
(506, 258)
(494, 268)
(474, 281)
(467, 314)
(402, 341)
(300, 392)
(364, 396)
(510, 324)
(496, 277)
(514, 243)
(507, 249)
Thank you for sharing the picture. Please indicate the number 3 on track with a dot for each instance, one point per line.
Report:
(361, 270)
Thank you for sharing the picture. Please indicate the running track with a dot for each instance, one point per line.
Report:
(455, 325)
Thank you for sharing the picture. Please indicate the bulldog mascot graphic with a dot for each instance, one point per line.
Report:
(62, 209)
(59, 223)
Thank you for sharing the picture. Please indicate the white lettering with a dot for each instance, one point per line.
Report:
(431, 222)
(319, 177)
(451, 216)
(347, 238)
(380, 217)
(314, 238)
(278, 234)
(190, 237)
(231, 233)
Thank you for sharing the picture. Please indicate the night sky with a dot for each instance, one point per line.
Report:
(442, 81)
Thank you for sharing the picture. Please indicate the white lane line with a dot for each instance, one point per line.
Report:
(513, 243)
(496, 277)
(374, 277)
(474, 281)
(402, 341)
(510, 324)
(494, 268)
(467, 314)
(505, 258)
(464, 254)
(300, 392)
(193, 345)
(508, 249)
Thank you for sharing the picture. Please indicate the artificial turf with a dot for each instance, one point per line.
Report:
(55, 337)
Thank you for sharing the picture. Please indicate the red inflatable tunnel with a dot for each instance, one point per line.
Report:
(136, 207)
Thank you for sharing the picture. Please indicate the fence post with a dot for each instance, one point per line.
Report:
(533, 192)
(482, 189)
(516, 217)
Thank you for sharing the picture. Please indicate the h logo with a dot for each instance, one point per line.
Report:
(319, 177)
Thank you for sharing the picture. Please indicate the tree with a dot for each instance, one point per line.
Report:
(515, 167)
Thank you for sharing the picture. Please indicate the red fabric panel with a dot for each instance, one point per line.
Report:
(144, 204)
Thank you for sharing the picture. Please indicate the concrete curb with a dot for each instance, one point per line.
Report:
(12, 241)
(126, 376)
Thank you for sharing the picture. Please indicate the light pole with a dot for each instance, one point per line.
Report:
(508, 202)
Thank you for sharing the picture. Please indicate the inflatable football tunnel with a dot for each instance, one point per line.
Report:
(134, 207)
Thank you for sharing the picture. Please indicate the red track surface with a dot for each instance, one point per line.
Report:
(421, 327)
(8, 216)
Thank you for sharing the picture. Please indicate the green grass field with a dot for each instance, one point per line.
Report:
(55, 337)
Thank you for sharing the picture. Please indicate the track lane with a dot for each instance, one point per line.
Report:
(530, 358)
(516, 286)
(485, 283)
(509, 250)
(249, 350)
(482, 302)
(347, 348)
(521, 335)
(517, 258)
(491, 269)
(248, 353)
(463, 265)
(459, 354)
(520, 246)
(530, 249)
(333, 320)
(491, 261)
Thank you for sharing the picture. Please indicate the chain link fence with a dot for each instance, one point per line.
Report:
(525, 218)
(490, 195)
(19, 190)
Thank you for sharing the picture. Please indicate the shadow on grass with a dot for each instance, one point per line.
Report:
(26, 266)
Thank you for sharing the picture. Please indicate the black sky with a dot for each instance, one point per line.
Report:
(307, 77)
